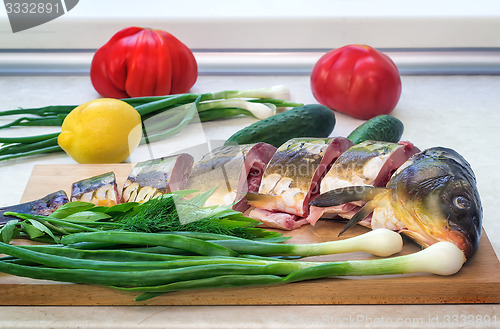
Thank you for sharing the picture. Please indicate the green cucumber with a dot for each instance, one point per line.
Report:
(311, 120)
(383, 128)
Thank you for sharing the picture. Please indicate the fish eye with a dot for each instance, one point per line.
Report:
(461, 202)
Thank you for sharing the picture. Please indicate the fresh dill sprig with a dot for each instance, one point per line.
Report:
(169, 213)
(151, 216)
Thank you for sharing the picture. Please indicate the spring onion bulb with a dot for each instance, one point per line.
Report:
(442, 258)
(259, 110)
(379, 242)
(277, 92)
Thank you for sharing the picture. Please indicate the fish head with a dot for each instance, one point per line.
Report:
(437, 199)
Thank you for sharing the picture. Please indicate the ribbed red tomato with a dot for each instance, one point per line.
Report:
(143, 62)
(357, 80)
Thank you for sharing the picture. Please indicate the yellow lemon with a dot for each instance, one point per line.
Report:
(104, 130)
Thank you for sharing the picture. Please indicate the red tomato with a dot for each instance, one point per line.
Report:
(143, 62)
(357, 80)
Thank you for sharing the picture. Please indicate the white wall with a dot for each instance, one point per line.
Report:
(272, 24)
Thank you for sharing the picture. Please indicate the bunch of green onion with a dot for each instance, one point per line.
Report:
(157, 263)
(171, 114)
(144, 248)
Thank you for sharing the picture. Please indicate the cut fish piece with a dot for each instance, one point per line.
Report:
(231, 170)
(279, 220)
(100, 190)
(149, 179)
(292, 178)
(43, 206)
(370, 163)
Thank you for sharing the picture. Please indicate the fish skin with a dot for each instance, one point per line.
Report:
(363, 164)
(43, 206)
(100, 190)
(432, 197)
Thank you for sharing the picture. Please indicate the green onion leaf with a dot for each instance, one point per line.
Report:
(9, 231)
(40, 227)
(87, 216)
(71, 208)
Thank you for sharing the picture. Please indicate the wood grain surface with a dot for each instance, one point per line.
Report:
(477, 282)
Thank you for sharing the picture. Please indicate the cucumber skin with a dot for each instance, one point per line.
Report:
(383, 128)
(311, 120)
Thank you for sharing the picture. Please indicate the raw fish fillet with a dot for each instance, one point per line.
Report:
(149, 179)
(232, 171)
(100, 190)
(292, 178)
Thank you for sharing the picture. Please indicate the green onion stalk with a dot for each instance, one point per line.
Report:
(162, 116)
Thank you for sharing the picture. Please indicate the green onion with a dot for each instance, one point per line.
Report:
(442, 258)
(155, 274)
(120, 255)
(216, 114)
(41, 111)
(29, 121)
(260, 103)
(258, 110)
(45, 150)
(27, 139)
(379, 242)
(47, 257)
(23, 148)
(104, 253)
(223, 281)
(201, 247)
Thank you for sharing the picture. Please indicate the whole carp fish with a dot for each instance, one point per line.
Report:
(432, 197)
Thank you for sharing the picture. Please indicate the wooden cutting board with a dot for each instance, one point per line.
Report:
(477, 282)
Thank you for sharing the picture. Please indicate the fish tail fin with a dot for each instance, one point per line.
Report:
(362, 213)
(347, 194)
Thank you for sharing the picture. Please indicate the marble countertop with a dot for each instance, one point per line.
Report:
(460, 112)
(251, 317)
